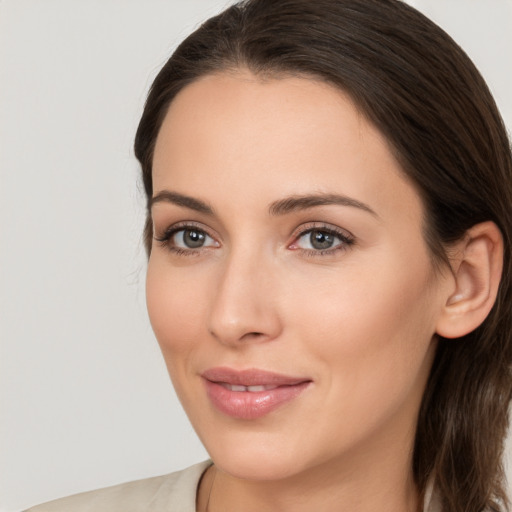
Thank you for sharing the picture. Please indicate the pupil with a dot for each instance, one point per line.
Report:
(193, 239)
(321, 240)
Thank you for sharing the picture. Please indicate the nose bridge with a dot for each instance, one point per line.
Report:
(243, 306)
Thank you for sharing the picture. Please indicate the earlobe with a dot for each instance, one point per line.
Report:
(476, 267)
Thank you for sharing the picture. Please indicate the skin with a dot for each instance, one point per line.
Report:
(358, 320)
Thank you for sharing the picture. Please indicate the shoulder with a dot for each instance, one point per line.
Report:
(173, 492)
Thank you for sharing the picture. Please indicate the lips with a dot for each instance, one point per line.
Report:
(251, 394)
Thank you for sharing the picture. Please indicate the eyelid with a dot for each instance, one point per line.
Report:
(164, 237)
(172, 228)
(346, 237)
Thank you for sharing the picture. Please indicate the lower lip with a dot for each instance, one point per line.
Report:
(248, 405)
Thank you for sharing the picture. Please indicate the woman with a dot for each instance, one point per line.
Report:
(329, 231)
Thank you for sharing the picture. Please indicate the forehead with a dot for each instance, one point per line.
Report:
(280, 136)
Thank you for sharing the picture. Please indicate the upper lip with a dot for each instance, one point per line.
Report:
(251, 377)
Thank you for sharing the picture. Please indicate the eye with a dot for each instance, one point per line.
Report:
(319, 240)
(186, 239)
(191, 238)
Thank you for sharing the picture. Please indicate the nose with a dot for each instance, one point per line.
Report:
(244, 305)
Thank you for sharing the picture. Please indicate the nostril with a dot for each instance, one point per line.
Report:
(252, 336)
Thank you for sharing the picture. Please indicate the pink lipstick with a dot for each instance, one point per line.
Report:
(250, 394)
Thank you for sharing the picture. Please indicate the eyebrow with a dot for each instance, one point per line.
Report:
(296, 203)
(181, 200)
(280, 207)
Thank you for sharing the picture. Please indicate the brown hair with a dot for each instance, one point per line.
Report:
(422, 91)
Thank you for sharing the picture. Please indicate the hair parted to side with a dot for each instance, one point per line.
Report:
(424, 94)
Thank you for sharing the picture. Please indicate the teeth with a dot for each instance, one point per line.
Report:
(255, 389)
(251, 389)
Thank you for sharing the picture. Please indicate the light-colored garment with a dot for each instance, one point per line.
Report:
(431, 503)
(175, 492)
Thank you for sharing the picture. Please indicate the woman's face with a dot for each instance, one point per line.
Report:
(289, 284)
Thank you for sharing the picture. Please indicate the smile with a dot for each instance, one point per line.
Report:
(251, 394)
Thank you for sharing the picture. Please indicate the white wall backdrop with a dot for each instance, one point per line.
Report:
(85, 400)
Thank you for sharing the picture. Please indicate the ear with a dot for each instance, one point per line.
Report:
(476, 264)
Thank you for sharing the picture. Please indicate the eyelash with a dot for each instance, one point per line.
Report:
(165, 238)
(345, 238)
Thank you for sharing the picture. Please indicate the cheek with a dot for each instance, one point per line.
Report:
(371, 339)
(372, 329)
(175, 307)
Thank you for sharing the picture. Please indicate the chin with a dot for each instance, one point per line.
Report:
(255, 457)
(260, 468)
(274, 456)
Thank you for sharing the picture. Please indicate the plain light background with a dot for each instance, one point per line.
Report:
(85, 400)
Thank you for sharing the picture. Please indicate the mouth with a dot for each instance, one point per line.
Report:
(251, 394)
